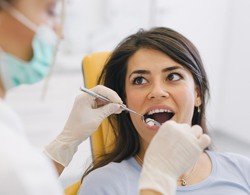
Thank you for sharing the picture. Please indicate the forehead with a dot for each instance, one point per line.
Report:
(34, 3)
(49, 4)
(34, 8)
(150, 59)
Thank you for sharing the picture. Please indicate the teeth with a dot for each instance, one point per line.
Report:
(158, 111)
(150, 122)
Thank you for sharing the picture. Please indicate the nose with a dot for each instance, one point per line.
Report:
(158, 90)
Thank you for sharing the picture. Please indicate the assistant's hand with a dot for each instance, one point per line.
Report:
(174, 149)
(84, 119)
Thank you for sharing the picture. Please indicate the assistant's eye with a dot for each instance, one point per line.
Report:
(51, 9)
(174, 77)
(51, 12)
(139, 80)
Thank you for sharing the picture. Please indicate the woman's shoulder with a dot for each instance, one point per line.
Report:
(241, 161)
(231, 157)
(110, 179)
(236, 163)
(112, 169)
(116, 169)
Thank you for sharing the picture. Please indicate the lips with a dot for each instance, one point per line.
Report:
(161, 114)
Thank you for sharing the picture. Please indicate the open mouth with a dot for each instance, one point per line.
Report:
(159, 115)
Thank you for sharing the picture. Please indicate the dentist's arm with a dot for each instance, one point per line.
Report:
(84, 119)
(182, 145)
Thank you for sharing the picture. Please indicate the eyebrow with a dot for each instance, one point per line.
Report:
(163, 70)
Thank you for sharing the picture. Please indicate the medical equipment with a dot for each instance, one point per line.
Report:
(149, 121)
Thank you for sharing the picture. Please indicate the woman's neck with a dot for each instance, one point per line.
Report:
(200, 171)
(143, 148)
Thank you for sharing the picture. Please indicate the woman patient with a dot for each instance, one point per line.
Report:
(159, 73)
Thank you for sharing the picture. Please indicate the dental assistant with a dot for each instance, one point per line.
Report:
(27, 44)
(28, 41)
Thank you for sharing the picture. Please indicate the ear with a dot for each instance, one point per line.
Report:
(197, 97)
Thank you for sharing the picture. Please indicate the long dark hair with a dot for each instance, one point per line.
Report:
(177, 47)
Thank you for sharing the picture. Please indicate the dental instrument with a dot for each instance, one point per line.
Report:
(149, 121)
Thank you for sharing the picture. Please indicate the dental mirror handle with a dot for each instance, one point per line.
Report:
(94, 94)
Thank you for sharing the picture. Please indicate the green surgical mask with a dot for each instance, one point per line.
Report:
(15, 71)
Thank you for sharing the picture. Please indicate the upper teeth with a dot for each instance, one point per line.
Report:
(158, 111)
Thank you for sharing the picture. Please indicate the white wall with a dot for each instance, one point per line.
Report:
(234, 80)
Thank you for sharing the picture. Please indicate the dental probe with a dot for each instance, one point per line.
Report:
(123, 106)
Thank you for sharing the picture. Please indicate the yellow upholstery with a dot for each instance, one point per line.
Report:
(101, 140)
(73, 189)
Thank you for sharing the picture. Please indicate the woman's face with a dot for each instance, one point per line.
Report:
(160, 88)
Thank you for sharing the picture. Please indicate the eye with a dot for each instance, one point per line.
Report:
(174, 77)
(51, 13)
(52, 9)
(139, 80)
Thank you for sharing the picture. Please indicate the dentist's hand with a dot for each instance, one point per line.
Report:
(84, 119)
(174, 149)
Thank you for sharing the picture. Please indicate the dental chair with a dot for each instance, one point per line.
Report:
(101, 141)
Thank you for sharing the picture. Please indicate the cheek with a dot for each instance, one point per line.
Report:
(185, 100)
(134, 98)
(134, 101)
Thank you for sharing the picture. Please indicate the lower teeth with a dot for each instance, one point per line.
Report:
(150, 122)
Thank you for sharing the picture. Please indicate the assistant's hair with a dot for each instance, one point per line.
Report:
(178, 48)
(7, 1)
